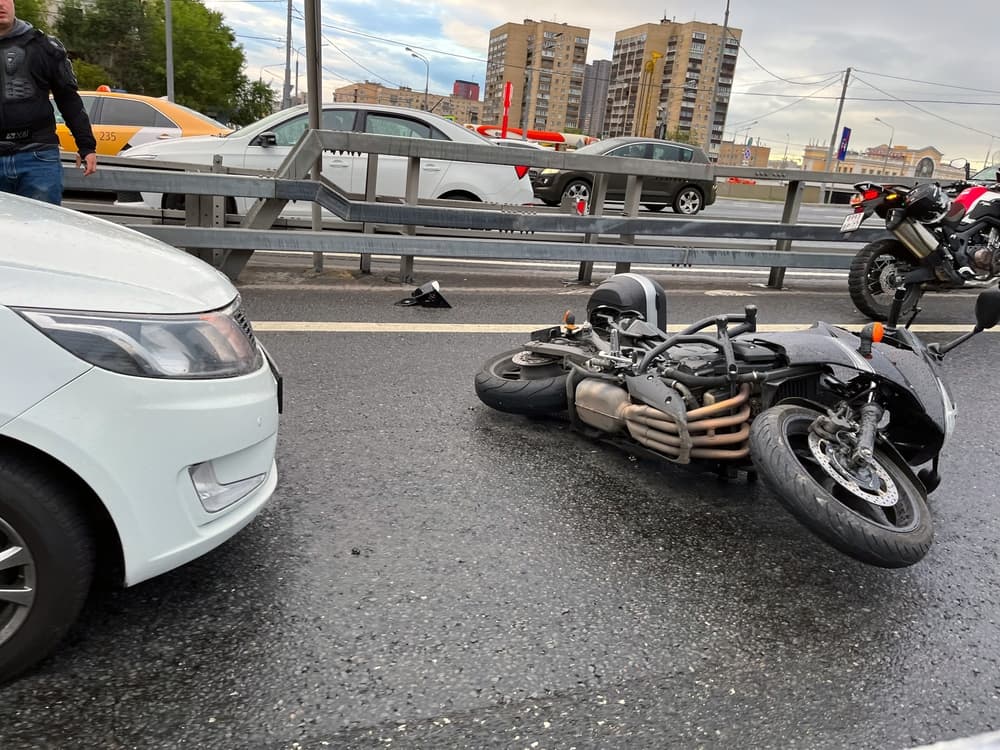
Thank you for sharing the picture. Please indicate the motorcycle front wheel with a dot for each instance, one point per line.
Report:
(873, 278)
(889, 527)
(523, 382)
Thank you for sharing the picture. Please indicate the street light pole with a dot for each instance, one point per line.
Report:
(427, 76)
(892, 132)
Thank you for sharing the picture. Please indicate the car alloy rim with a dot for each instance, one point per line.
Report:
(17, 581)
(689, 202)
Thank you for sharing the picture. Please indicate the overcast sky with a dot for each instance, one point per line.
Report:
(918, 67)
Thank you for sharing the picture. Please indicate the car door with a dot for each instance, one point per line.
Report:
(338, 167)
(664, 188)
(392, 169)
(123, 123)
(617, 183)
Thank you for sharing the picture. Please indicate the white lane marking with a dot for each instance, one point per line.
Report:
(282, 326)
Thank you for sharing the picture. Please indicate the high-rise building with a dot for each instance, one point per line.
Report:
(672, 78)
(465, 90)
(544, 62)
(595, 97)
(457, 108)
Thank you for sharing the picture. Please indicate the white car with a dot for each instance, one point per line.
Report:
(265, 144)
(138, 415)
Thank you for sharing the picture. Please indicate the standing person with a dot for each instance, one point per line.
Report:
(31, 66)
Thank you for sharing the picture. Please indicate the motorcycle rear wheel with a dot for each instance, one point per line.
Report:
(870, 280)
(521, 382)
(888, 537)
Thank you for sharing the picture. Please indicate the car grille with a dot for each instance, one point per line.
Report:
(241, 319)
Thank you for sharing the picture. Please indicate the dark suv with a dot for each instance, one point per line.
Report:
(685, 196)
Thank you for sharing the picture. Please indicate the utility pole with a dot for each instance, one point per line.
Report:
(715, 83)
(286, 90)
(169, 28)
(836, 124)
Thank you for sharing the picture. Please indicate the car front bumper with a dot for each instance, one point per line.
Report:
(134, 442)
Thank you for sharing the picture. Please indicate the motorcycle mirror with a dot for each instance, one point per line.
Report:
(988, 309)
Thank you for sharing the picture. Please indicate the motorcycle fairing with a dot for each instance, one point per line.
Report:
(913, 376)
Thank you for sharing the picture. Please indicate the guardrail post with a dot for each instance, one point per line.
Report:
(793, 200)
(411, 199)
(207, 211)
(633, 192)
(596, 208)
(371, 181)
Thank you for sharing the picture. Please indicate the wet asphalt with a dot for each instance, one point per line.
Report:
(434, 574)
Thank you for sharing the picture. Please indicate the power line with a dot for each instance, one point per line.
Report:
(800, 99)
(775, 75)
(931, 83)
(926, 112)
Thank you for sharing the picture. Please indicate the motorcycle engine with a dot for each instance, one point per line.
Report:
(985, 259)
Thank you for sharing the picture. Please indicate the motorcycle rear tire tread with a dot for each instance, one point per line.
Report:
(830, 521)
(857, 279)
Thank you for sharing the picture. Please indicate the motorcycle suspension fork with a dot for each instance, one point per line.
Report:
(870, 416)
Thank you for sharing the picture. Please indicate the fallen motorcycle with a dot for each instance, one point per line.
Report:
(943, 236)
(837, 423)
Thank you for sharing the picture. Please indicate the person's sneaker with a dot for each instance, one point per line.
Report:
(966, 273)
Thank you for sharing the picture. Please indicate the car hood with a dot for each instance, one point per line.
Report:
(197, 144)
(51, 257)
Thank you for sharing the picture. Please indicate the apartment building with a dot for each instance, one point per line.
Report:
(545, 63)
(593, 103)
(671, 77)
(458, 108)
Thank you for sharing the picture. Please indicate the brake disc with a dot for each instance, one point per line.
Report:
(824, 453)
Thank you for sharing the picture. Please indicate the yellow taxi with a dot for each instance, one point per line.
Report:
(121, 121)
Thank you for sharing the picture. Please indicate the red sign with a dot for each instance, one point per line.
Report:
(507, 87)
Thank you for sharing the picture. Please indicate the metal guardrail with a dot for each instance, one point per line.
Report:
(369, 224)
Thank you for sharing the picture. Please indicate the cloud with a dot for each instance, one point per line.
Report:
(792, 43)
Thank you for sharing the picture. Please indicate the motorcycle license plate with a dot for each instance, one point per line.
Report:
(852, 222)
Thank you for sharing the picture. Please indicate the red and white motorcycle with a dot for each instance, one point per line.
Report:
(943, 235)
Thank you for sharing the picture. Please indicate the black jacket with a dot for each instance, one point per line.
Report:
(31, 66)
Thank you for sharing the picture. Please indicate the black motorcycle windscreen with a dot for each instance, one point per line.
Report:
(911, 371)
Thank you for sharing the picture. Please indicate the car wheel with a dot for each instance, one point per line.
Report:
(688, 201)
(576, 191)
(46, 563)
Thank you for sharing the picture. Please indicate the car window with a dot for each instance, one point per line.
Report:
(380, 123)
(669, 152)
(633, 150)
(88, 107)
(289, 132)
(128, 112)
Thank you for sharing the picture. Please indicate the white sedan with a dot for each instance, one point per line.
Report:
(138, 415)
(265, 144)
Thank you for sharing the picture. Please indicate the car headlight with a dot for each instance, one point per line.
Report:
(218, 344)
(550, 171)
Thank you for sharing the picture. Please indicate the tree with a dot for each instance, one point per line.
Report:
(32, 11)
(127, 38)
(680, 136)
(90, 76)
(253, 100)
(208, 63)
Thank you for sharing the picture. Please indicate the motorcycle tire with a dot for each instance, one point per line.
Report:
(870, 270)
(887, 537)
(535, 390)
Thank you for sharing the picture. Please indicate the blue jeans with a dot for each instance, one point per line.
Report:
(33, 174)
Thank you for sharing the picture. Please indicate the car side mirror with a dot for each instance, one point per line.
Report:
(267, 139)
(988, 309)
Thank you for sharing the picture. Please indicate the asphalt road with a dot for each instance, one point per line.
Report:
(433, 574)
